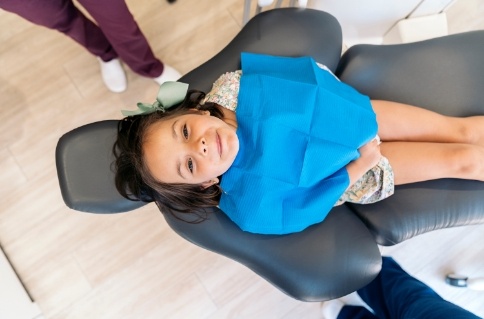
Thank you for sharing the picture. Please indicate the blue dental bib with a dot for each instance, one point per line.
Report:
(298, 127)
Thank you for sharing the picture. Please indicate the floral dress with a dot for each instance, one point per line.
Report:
(373, 186)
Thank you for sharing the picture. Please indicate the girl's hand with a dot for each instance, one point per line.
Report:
(369, 156)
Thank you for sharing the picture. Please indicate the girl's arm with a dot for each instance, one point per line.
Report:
(369, 156)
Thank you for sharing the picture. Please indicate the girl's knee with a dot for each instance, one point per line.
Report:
(467, 161)
(466, 131)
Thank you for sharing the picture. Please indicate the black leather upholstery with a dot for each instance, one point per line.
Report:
(286, 32)
(445, 75)
(325, 261)
(83, 159)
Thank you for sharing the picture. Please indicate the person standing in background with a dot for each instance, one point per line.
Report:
(393, 294)
(116, 37)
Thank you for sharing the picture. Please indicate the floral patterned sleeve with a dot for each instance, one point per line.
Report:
(225, 90)
(375, 185)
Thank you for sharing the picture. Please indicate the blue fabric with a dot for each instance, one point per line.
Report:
(395, 294)
(298, 127)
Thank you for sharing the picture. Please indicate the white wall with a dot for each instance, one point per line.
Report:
(367, 21)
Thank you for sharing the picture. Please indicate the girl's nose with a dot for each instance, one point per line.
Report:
(202, 146)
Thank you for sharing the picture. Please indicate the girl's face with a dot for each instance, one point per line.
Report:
(192, 148)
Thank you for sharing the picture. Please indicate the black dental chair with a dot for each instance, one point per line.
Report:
(341, 254)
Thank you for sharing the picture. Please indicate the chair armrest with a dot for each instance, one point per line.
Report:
(418, 208)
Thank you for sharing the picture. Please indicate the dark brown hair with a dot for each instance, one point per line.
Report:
(132, 177)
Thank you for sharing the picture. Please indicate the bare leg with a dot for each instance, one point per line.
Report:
(402, 122)
(415, 162)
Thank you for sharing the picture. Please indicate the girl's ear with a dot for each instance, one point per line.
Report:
(209, 183)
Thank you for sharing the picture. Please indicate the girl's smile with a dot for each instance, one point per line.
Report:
(193, 148)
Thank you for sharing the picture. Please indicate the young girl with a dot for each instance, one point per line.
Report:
(301, 143)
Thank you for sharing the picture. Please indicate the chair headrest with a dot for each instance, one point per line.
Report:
(83, 160)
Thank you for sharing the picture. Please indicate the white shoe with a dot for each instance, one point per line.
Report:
(169, 74)
(113, 75)
(330, 309)
(353, 299)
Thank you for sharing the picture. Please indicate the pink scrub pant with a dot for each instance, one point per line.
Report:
(116, 34)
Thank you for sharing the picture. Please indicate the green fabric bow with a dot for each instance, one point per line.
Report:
(170, 93)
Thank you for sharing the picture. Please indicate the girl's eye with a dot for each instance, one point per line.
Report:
(190, 165)
(185, 131)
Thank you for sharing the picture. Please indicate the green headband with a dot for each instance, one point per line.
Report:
(170, 93)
